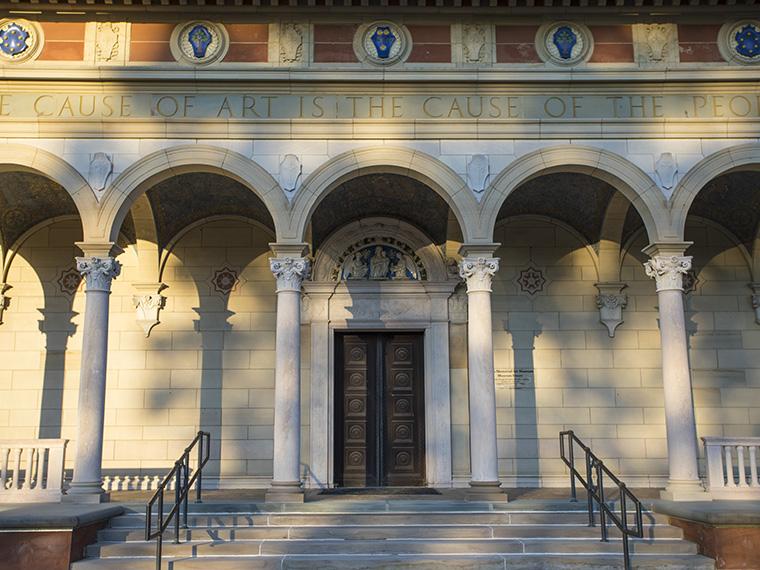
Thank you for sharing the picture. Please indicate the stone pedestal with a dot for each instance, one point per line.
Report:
(478, 273)
(286, 484)
(86, 486)
(668, 267)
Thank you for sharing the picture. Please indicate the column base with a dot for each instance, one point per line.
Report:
(485, 491)
(86, 493)
(685, 491)
(285, 492)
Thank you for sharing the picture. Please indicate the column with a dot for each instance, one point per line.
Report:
(98, 272)
(667, 266)
(478, 273)
(286, 483)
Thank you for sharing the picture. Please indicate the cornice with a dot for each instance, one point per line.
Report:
(267, 76)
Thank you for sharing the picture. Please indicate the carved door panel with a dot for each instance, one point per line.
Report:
(379, 408)
(404, 452)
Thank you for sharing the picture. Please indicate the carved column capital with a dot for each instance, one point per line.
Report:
(756, 300)
(98, 272)
(290, 272)
(668, 271)
(478, 272)
(611, 301)
(4, 300)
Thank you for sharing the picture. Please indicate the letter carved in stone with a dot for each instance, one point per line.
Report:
(98, 272)
(478, 272)
(290, 272)
(668, 271)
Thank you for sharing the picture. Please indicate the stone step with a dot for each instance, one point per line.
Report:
(394, 562)
(382, 532)
(388, 546)
(375, 517)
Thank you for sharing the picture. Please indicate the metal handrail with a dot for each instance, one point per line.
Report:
(183, 481)
(594, 485)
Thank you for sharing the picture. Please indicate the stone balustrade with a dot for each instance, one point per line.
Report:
(732, 467)
(31, 470)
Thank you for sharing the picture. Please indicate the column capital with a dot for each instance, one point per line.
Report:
(99, 249)
(98, 272)
(290, 272)
(485, 249)
(668, 248)
(668, 271)
(287, 249)
(478, 272)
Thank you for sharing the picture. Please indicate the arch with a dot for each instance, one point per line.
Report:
(14, 248)
(582, 241)
(43, 163)
(164, 164)
(740, 157)
(414, 164)
(172, 243)
(621, 174)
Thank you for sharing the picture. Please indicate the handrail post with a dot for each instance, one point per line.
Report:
(186, 487)
(602, 503)
(571, 454)
(624, 530)
(199, 482)
(177, 502)
(590, 497)
(160, 541)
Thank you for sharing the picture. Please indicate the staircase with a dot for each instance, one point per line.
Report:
(371, 534)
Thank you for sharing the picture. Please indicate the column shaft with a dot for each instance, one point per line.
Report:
(484, 465)
(87, 482)
(287, 391)
(683, 473)
(286, 482)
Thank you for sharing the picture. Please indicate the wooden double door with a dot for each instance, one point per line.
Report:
(379, 410)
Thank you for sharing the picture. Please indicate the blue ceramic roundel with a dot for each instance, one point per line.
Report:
(13, 40)
(200, 38)
(383, 40)
(564, 39)
(748, 41)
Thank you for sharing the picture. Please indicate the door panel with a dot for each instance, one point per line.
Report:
(379, 407)
(404, 452)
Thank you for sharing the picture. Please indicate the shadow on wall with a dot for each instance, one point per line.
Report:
(526, 414)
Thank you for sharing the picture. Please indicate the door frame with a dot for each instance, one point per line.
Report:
(380, 388)
(319, 464)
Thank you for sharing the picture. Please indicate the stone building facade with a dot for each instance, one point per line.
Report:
(381, 244)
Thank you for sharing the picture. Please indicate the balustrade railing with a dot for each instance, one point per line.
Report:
(31, 470)
(732, 467)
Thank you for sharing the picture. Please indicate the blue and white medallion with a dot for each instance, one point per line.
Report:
(199, 42)
(19, 40)
(744, 41)
(564, 43)
(382, 43)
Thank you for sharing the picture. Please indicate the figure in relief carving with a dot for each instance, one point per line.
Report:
(107, 45)
(402, 268)
(356, 268)
(291, 43)
(474, 42)
(379, 264)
